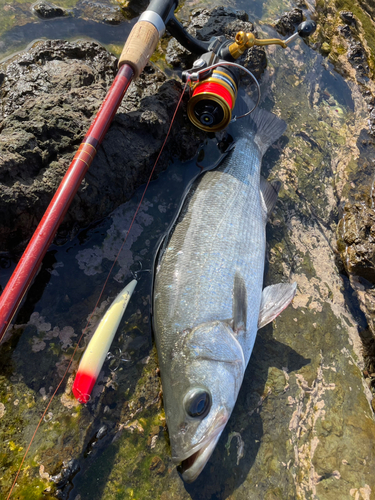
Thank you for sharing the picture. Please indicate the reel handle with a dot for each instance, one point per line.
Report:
(244, 41)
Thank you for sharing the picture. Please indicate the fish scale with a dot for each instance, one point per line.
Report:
(212, 240)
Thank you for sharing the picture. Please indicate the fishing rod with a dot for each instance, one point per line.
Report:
(139, 47)
(213, 83)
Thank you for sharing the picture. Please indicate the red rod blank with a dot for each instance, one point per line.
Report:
(45, 232)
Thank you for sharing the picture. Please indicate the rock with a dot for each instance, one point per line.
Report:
(157, 465)
(356, 241)
(288, 21)
(356, 244)
(64, 478)
(357, 56)
(132, 8)
(47, 10)
(49, 97)
(371, 121)
(345, 31)
(100, 12)
(348, 17)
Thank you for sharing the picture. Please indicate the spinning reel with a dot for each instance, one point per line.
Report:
(214, 77)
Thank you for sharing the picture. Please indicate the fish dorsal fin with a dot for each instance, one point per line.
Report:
(275, 299)
(270, 192)
(239, 303)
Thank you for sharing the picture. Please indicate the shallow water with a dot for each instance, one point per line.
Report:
(317, 103)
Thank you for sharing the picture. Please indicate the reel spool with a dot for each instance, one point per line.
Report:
(211, 104)
(214, 94)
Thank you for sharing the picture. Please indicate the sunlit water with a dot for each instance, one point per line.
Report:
(68, 286)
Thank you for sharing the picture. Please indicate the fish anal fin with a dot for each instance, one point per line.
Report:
(270, 192)
(239, 303)
(275, 299)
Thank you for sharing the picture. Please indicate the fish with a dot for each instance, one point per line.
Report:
(97, 349)
(208, 302)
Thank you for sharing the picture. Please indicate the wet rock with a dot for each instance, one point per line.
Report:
(306, 424)
(348, 17)
(132, 8)
(101, 432)
(356, 244)
(100, 12)
(64, 479)
(47, 10)
(49, 96)
(157, 465)
(219, 21)
(357, 57)
(345, 31)
(371, 121)
(288, 22)
(256, 61)
(356, 241)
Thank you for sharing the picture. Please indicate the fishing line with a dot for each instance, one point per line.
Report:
(100, 295)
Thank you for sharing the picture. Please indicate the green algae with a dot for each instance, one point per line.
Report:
(367, 23)
(328, 20)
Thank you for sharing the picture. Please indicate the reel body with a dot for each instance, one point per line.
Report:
(212, 101)
(214, 77)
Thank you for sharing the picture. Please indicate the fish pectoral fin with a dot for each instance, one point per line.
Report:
(239, 303)
(275, 299)
(270, 192)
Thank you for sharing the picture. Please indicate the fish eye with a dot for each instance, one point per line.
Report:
(197, 403)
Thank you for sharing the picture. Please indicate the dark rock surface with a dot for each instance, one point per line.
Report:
(100, 12)
(49, 96)
(132, 8)
(347, 17)
(356, 245)
(356, 241)
(288, 22)
(357, 58)
(47, 10)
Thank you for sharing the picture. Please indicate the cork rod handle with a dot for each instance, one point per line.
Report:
(139, 46)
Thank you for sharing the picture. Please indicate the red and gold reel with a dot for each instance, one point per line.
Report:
(211, 105)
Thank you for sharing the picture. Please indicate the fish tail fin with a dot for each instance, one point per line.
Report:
(263, 125)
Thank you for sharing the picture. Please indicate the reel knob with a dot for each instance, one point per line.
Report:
(306, 29)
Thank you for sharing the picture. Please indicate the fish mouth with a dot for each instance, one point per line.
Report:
(192, 466)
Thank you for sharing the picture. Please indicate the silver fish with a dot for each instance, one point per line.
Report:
(208, 302)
